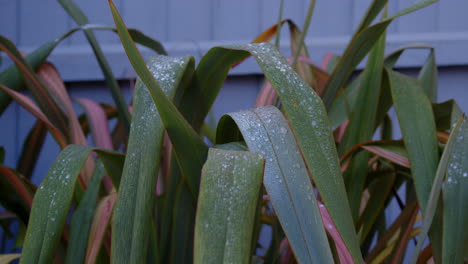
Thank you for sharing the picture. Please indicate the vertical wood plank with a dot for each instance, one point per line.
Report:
(150, 17)
(238, 93)
(236, 20)
(98, 12)
(190, 20)
(8, 134)
(424, 20)
(331, 18)
(359, 9)
(9, 19)
(452, 16)
(293, 9)
(40, 21)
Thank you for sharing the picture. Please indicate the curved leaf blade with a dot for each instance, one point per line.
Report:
(307, 116)
(136, 194)
(51, 204)
(455, 229)
(229, 191)
(414, 112)
(190, 149)
(286, 179)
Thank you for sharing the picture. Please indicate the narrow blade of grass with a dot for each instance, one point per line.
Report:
(80, 18)
(362, 123)
(229, 190)
(99, 226)
(82, 219)
(362, 41)
(12, 78)
(286, 179)
(98, 124)
(182, 233)
(428, 77)
(417, 125)
(47, 100)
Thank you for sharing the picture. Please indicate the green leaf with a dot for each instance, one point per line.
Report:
(136, 194)
(362, 41)
(80, 18)
(446, 114)
(454, 153)
(113, 163)
(12, 78)
(341, 107)
(182, 234)
(428, 77)
(51, 204)
(229, 190)
(48, 101)
(417, 125)
(379, 191)
(455, 229)
(189, 148)
(286, 179)
(82, 218)
(310, 125)
(362, 123)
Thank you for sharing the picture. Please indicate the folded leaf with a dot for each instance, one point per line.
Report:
(229, 190)
(286, 178)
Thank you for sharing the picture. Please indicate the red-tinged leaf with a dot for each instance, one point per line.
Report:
(99, 226)
(343, 252)
(393, 150)
(30, 106)
(266, 96)
(388, 154)
(46, 99)
(402, 246)
(403, 220)
(51, 78)
(98, 123)
(319, 76)
(15, 194)
(31, 149)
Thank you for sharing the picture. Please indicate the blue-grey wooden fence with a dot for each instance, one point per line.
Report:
(189, 27)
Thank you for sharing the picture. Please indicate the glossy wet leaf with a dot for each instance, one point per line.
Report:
(307, 116)
(51, 204)
(131, 215)
(189, 148)
(286, 178)
(455, 197)
(229, 190)
(82, 218)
